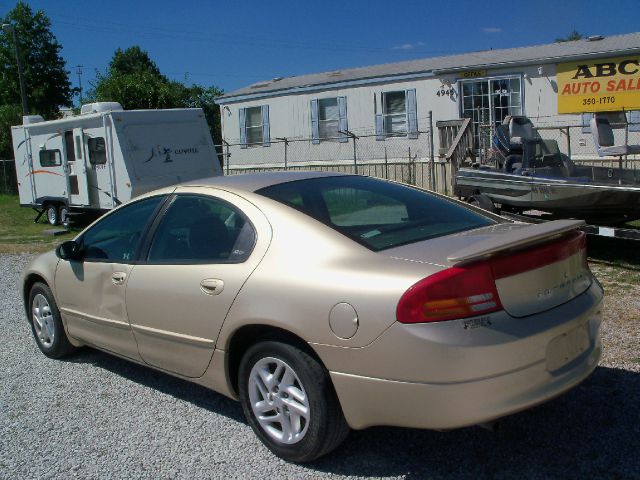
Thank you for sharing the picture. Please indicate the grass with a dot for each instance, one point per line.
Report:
(18, 233)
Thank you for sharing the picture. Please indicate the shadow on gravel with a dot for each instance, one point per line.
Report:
(181, 389)
(593, 431)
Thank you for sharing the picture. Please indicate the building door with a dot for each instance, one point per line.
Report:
(487, 102)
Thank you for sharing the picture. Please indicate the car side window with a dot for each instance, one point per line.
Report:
(116, 237)
(200, 229)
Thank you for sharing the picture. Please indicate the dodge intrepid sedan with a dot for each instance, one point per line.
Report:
(325, 302)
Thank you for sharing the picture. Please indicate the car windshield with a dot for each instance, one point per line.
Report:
(376, 213)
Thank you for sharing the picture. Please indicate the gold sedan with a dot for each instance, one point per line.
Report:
(326, 302)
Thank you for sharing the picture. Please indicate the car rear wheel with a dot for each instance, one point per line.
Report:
(46, 323)
(289, 401)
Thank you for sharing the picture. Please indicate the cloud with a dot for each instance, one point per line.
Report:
(408, 46)
(492, 29)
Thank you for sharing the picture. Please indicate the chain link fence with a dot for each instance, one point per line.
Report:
(401, 159)
(8, 182)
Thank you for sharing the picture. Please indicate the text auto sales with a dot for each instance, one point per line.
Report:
(599, 70)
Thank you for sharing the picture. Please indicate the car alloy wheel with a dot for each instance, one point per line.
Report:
(43, 320)
(279, 400)
(46, 323)
(289, 400)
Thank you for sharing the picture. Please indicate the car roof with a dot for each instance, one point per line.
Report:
(252, 182)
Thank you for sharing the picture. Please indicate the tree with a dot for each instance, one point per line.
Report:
(572, 37)
(134, 80)
(133, 60)
(47, 81)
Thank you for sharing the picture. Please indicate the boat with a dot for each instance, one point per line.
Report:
(527, 172)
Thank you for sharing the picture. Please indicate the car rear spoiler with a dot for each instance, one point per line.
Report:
(514, 239)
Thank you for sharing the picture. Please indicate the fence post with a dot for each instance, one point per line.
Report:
(432, 179)
(4, 175)
(386, 164)
(227, 155)
(286, 144)
(568, 131)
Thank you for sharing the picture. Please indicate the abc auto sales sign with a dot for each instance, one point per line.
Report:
(599, 85)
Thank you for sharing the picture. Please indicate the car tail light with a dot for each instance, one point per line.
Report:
(470, 290)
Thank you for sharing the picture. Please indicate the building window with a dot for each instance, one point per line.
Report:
(399, 115)
(394, 112)
(97, 151)
(329, 119)
(50, 158)
(254, 126)
(487, 102)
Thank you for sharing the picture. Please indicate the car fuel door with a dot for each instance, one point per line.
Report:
(204, 248)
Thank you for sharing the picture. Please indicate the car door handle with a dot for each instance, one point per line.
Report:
(212, 286)
(118, 278)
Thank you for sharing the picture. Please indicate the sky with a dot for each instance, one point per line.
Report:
(232, 44)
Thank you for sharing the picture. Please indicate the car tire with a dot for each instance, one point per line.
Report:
(279, 381)
(46, 323)
(484, 202)
(52, 214)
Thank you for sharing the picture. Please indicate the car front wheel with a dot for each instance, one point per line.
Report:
(289, 401)
(46, 323)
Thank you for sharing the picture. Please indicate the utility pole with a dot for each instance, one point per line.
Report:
(10, 29)
(79, 72)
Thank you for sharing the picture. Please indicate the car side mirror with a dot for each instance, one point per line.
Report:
(69, 250)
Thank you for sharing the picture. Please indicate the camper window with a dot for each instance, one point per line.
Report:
(50, 158)
(69, 146)
(97, 151)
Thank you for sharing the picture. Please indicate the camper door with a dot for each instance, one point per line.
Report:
(77, 168)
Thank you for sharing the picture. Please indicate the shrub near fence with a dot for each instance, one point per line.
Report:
(8, 182)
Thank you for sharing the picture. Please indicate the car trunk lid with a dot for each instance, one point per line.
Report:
(535, 267)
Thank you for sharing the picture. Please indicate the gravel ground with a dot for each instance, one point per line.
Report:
(94, 415)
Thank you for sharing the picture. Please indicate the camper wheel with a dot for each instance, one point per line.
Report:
(63, 215)
(52, 213)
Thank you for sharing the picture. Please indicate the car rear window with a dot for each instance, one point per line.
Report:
(376, 213)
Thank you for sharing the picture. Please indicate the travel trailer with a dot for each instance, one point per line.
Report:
(97, 160)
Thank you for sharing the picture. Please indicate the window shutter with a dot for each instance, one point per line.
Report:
(242, 115)
(266, 139)
(586, 118)
(633, 119)
(379, 127)
(342, 124)
(315, 126)
(412, 114)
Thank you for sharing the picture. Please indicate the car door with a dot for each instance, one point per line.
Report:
(91, 291)
(204, 247)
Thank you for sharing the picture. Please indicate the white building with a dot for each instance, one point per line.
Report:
(387, 106)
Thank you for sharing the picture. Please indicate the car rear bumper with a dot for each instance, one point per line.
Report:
(438, 377)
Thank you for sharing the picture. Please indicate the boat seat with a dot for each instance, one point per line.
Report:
(604, 139)
(520, 130)
(513, 164)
